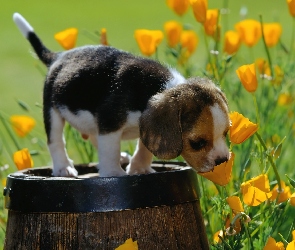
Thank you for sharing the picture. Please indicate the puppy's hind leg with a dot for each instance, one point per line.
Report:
(141, 160)
(62, 164)
(109, 154)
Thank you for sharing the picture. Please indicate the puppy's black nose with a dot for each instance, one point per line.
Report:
(220, 160)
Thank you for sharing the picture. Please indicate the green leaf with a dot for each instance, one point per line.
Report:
(292, 182)
(23, 105)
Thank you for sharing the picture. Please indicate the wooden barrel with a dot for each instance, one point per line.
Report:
(159, 210)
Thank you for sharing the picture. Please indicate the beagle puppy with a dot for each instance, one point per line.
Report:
(110, 95)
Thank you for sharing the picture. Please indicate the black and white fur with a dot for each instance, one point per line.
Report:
(111, 95)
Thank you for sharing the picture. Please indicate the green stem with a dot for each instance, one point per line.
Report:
(271, 162)
(256, 109)
(249, 235)
(10, 133)
(283, 239)
(292, 39)
(266, 48)
(209, 56)
(225, 243)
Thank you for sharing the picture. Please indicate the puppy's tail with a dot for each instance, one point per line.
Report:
(44, 54)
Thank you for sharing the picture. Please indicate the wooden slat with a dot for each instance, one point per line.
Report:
(167, 227)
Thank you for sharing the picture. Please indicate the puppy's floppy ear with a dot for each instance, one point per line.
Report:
(160, 125)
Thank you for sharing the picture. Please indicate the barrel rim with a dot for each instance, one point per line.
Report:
(28, 193)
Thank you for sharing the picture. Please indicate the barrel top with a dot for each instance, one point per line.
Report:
(36, 190)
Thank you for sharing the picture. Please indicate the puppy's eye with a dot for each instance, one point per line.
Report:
(198, 144)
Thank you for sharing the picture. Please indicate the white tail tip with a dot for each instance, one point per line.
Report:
(22, 24)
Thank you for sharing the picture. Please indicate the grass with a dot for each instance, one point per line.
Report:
(21, 83)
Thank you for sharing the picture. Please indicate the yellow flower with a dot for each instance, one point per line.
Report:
(22, 124)
(235, 204)
(232, 42)
(271, 244)
(173, 31)
(247, 76)
(250, 31)
(256, 190)
(241, 128)
(128, 245)
(148, 40)
(283, 196)
(284, 99)
(272, 33)
(216, 239)
(210, 23)
(178, 6)
(199, 9)
(189, 40)
(221, 174)
(291, 245)
(23, 159)
(67, 38)
(103, 37)
(292, 202)
(291, 7)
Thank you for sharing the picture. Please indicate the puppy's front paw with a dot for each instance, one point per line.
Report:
(65, 172)
(133, 169)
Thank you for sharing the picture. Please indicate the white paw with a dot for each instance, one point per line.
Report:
(65, 172)
(133, 169)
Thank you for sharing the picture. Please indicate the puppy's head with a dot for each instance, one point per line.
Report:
(190, 120)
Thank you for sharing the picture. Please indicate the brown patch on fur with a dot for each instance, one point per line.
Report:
(173, 116)
(202, 130)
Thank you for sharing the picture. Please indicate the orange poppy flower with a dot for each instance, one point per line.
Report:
(232, 42)
(148, 40)
(241, 128)
(128, 245)
(199, 9)
(272, 33)
(250, 31)
(23, 159)
(103, 37)
(189, 40)
(272, 244)
(211, 21)
(67, 38)
(247, 76)
(283, 196)
(22, 124)
(173, 31)
(235, 204)
(291, 7)
(221, 174)
(178, 6)
(256, 190)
